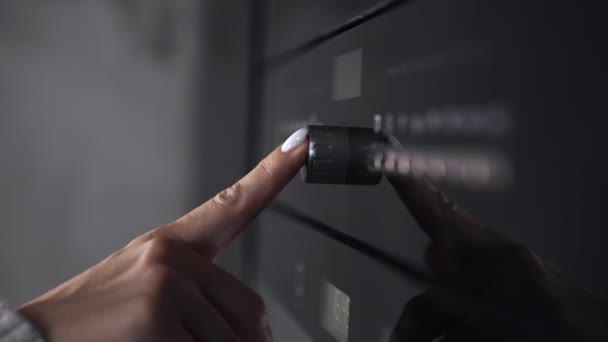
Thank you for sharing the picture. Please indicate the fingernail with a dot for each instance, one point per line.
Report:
(294, 140)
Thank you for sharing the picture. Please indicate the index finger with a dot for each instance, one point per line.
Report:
(441, 219)
(210, 227)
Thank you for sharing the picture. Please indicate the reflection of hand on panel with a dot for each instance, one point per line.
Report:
(488, 288)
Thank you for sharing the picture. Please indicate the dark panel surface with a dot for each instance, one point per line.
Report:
(309, 262)
(533, 65)
(291, 22)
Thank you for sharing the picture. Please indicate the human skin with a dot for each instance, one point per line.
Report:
(164, 286)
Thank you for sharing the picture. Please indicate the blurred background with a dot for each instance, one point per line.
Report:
(99, 107)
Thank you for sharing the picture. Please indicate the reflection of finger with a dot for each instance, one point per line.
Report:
(557, 273)
(466, 334)
(201, 319)
(211, 226)
(422, 320)
(444, 305)
(438, 260)
(238, 305)
(445, 223)
(242, 307)
(172, 330)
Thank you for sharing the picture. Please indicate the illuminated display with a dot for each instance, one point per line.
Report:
(335, 311)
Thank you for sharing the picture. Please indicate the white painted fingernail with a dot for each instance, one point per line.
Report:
(294, 140)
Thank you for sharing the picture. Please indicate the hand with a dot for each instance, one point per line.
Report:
(489, 288)
(163, 286)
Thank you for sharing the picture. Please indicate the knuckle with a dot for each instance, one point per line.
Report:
(142, 239)
(156, 250)
(265, 172)
(229, 197)
(265, 168)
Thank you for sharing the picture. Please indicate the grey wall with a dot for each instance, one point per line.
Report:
(96, 106)
(220, 134)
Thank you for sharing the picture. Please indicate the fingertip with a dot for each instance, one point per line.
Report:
(295, 140)
(211, 226)
(440, 218)
(279, 167)
(284, 162)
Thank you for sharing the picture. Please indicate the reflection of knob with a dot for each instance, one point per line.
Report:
(342, 155)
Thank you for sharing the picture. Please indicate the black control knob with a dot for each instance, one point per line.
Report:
(342, 155)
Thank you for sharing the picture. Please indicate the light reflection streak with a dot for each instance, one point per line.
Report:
(476, 169)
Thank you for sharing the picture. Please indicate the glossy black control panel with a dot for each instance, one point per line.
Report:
(292, 22)
(497, 102)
